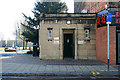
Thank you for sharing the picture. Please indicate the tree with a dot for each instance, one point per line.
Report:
(119, 4)
(31, 24)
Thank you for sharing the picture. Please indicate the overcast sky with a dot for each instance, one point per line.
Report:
(11, 13)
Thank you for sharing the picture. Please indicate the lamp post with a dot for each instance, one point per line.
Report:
(16, 36)
(19, 36)
(16, 41)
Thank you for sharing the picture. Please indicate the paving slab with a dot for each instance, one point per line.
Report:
(29, 65)
(56, 68)
(42, 68)
(63, 68)
(76, 68)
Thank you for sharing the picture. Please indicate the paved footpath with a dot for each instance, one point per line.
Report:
(28, 65)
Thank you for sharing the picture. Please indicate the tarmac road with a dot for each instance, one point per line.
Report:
(57, 78)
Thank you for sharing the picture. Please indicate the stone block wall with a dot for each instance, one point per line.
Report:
(87, 50)
(52, 50)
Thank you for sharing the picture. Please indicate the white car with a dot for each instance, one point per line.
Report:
(10, 49)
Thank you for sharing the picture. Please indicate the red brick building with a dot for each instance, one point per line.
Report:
(114, 36)
(101, 30)
(94, 7)
(101, 44)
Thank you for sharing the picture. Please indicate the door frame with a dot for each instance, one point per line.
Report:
(117, 48)
(61, 41)
(117, 32)
(73, 37)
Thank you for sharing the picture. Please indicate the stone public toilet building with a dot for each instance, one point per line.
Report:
(67, 36)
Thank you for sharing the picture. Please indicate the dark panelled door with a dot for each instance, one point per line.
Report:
(68, 46)
(118, 47)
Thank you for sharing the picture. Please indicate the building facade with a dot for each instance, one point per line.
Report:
(94, 7)
(64, 36)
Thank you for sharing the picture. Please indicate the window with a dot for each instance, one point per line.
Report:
(50, 34)
(87, 34)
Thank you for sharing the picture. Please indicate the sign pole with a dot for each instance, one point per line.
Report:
(108, 43)
(109, 20)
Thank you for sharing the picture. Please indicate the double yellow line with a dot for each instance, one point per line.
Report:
(95, 73)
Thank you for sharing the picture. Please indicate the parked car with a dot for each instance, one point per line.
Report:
(10, 49)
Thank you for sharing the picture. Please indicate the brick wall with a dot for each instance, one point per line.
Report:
(94, 7)
(101, 44)
(112, 44)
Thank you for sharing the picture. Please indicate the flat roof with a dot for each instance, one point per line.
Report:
(67, 16)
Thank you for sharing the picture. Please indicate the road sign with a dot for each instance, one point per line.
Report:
(109, 17)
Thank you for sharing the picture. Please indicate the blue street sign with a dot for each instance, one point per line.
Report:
(109, 17)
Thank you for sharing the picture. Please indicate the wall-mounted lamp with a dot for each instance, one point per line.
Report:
(68, 22)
